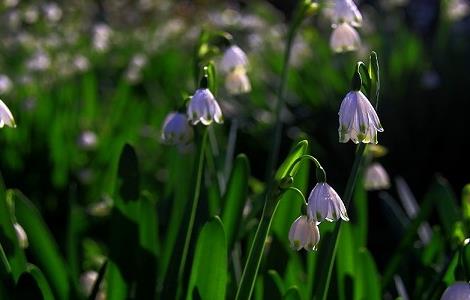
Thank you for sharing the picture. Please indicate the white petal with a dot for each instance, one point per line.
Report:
(6, 117)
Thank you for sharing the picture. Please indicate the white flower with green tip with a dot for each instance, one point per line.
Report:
(204, 108)
(358, 120)
(304, 233)
(344, 38)
(346, 11)
(176, 129)
(233, 57)
(325, 204)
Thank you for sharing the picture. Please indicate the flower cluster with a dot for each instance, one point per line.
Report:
(323, 204)
(345, 16)
(234, 64)
(203, 107)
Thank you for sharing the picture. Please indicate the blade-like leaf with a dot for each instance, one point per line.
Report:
(368, 283)
(43, 246)
(128, 174)
(292, 294)
(299, 150)
(209, 269)
(235, 197)
(41, 282)
(16, 260)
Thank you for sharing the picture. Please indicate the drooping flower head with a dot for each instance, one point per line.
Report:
(376, 178)
(233, 57)
(325, 204)
(344, 38)
(176, 130)
(6, 118)
(457, 291)
(304, 233)
(204, 108)
(345, 11)
(358, 120)
(237, 82)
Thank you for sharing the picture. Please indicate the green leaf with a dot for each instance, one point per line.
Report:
(16, 259)
(235, 197)
(368, 283)
(43, 246)
(128, 174)
(345, 260)
(446, 204)
(209, 269)
(296, 152)
(292, 294)
(41, 282)
(277, 281)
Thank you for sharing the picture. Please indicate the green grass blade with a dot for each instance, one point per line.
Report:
(41, 282)
(235, 197)
(43, 246)
(296, 152)
(368, 283)
(292, 293)
(209, 269)
(15, 258)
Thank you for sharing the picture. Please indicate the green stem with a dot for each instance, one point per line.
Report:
(250, 272)
(273, 194)
(438, 278)
(323, 287)
(197, 191)
(280, 90)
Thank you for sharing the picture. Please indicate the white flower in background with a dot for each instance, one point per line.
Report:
(376, 178)
(233, 57)
(457, 291)
(6, 118)
(81, 63)
(53, 12)
(358, 120)
(10, 3)
(176, 129)
(21, 236)
(39, 62)
(345, 11)
(457, 9)
(325, 204)
(204, 108)
(304, 233)
(344, 38)
(5, 84)
(101, 37)
(237, 82)
(88, 140)
(31, 14)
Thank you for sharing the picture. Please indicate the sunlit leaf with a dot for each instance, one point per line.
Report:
(209, 269)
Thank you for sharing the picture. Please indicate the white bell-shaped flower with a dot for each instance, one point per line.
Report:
(176, 129)
(376, 178)
(6, 118)
(304, 233)
(21, 236)
(457, 291)
(344, 38)
(325, 204)
(204, 108)
(237, 82)
(345, 11)
(233, 57)
(358, 120)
